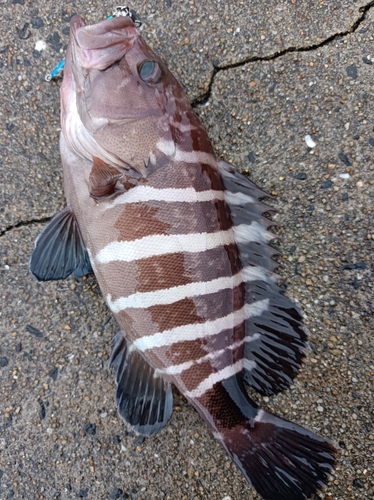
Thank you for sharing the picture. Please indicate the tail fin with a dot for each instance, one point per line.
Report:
(281, 460)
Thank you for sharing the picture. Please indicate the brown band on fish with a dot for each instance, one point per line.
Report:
(163, 271)
(176, 134)
(173, 315)
(194, 373)
(188, 311)
(233, 257)
(217, 262)
(185, 351)
(138, 220)
(197, 309)
(200, 140)
(142, 219)
(179, 175)
(223, 395)
(169, 271)
(210, 176)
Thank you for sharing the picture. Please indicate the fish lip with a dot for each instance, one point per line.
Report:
(98, 46)
(76, 22)
(78, 28)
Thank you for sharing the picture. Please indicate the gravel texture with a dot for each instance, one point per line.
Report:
(293, 69)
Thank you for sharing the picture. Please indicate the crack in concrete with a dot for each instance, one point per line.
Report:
(200, 101)
(25, 223)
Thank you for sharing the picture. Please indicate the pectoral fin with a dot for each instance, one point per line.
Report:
(107, 182)
(144, 399)
(59, 250)
(103, 178)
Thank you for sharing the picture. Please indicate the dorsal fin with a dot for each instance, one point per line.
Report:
(275, 341)
(243, 199)
(103, 178)
(59, 250)
(144, 399)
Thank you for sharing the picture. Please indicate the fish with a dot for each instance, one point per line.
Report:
(180, 244)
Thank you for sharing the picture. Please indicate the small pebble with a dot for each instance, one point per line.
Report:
(40, 45)
(3, 362)
(309, 142)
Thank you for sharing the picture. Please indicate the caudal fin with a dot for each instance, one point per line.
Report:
(282, 460)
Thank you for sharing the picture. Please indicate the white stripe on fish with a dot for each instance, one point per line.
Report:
(173, 294)
(200, 330)
(170, 195)
(195, 156)
(178, 369)
(162, 244)
(166, 147)
(143, 194)
(213, 379)
(170, 295)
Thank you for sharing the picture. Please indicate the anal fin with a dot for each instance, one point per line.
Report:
(59, 250)
(144, 399)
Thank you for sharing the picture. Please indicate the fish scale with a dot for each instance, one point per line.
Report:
(179, 244)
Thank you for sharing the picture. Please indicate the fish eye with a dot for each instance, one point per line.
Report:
(149, 72)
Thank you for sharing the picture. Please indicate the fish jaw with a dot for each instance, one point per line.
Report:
(100, 45)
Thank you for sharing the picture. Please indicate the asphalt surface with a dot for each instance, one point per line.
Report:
(263, 76)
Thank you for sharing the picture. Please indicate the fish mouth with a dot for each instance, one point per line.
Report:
(76, 22)
(100, 45)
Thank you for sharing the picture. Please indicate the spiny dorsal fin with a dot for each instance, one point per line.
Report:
(275, 341)
(59, 250)
(243, 199)
(144, 399)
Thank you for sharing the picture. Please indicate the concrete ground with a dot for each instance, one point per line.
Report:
(263, 76)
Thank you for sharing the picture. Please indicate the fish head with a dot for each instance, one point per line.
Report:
(119, 101)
